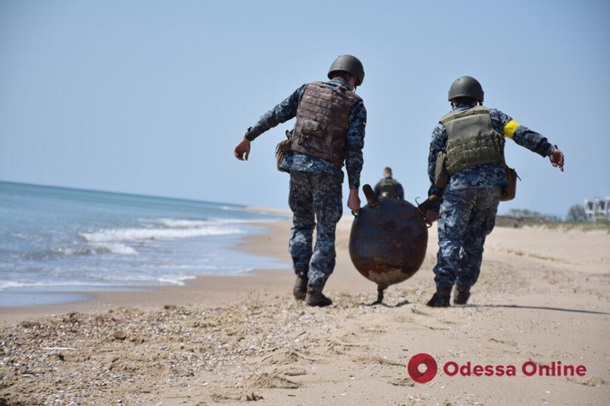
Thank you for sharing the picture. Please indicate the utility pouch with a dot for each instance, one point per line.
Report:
(510, 191)
(282, 148)
(441, 177)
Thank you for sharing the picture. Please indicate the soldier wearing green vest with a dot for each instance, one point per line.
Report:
(388, 186)
(473, 137)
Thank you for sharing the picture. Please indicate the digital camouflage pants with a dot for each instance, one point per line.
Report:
(467, 217)
(314, 197)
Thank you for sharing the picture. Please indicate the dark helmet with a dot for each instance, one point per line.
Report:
(349, 64)
(466, 86)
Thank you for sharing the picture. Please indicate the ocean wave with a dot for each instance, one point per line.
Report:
(179, 281)
(188, 223)
(96, 248)
(113, 248)
(4, 285)
(173, 229)
(100, 282)
(138, 278)
(211, 222)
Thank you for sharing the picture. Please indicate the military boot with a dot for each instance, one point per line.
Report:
(300, 287)
(316, 298)
(461, 297)
(440, 298)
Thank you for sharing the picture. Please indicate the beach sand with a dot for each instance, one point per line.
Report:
(543, 297)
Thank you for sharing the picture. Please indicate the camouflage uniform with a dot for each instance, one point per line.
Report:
(314, 195)
(470, 203)
(316, 188)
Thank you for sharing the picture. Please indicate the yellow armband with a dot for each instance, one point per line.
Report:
(510, 128)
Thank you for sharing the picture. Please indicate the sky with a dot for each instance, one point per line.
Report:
(150, 97)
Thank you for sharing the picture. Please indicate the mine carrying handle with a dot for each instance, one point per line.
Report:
(427, 204)
(371, 196)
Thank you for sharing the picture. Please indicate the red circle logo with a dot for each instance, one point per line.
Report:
(422, 359)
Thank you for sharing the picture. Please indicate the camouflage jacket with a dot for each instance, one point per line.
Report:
(296, 161)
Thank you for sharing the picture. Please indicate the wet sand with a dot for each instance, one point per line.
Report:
(543, 297)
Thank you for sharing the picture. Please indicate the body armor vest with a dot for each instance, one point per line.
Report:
(471, 139)
(387, 187)
(322, 122)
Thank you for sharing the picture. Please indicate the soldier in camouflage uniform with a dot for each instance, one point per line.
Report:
(388, 186)
(473, 137)
(328, 132)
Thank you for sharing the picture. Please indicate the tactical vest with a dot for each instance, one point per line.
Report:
(322, 122)
(471, 139)
(387, 187)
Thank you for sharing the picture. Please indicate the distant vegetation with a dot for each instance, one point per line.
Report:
(576, 219)
(533, 215)
(577, 214)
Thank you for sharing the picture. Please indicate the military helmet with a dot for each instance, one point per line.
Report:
(349, 64)
(466, 86)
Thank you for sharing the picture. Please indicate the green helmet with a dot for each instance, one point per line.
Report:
(466, 86)
(349, 64)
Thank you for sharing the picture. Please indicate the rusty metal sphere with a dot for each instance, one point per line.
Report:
(388, 240)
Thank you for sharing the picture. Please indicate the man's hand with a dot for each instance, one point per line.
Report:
(353, 201)
(431, 216)
(556, 158)
(242, 150)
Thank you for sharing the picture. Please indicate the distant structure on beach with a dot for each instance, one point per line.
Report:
(598, 209)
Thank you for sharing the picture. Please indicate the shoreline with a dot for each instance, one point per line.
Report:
(211, 288)
(201, 290)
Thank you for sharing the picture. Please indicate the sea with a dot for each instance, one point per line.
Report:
(58, 244)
